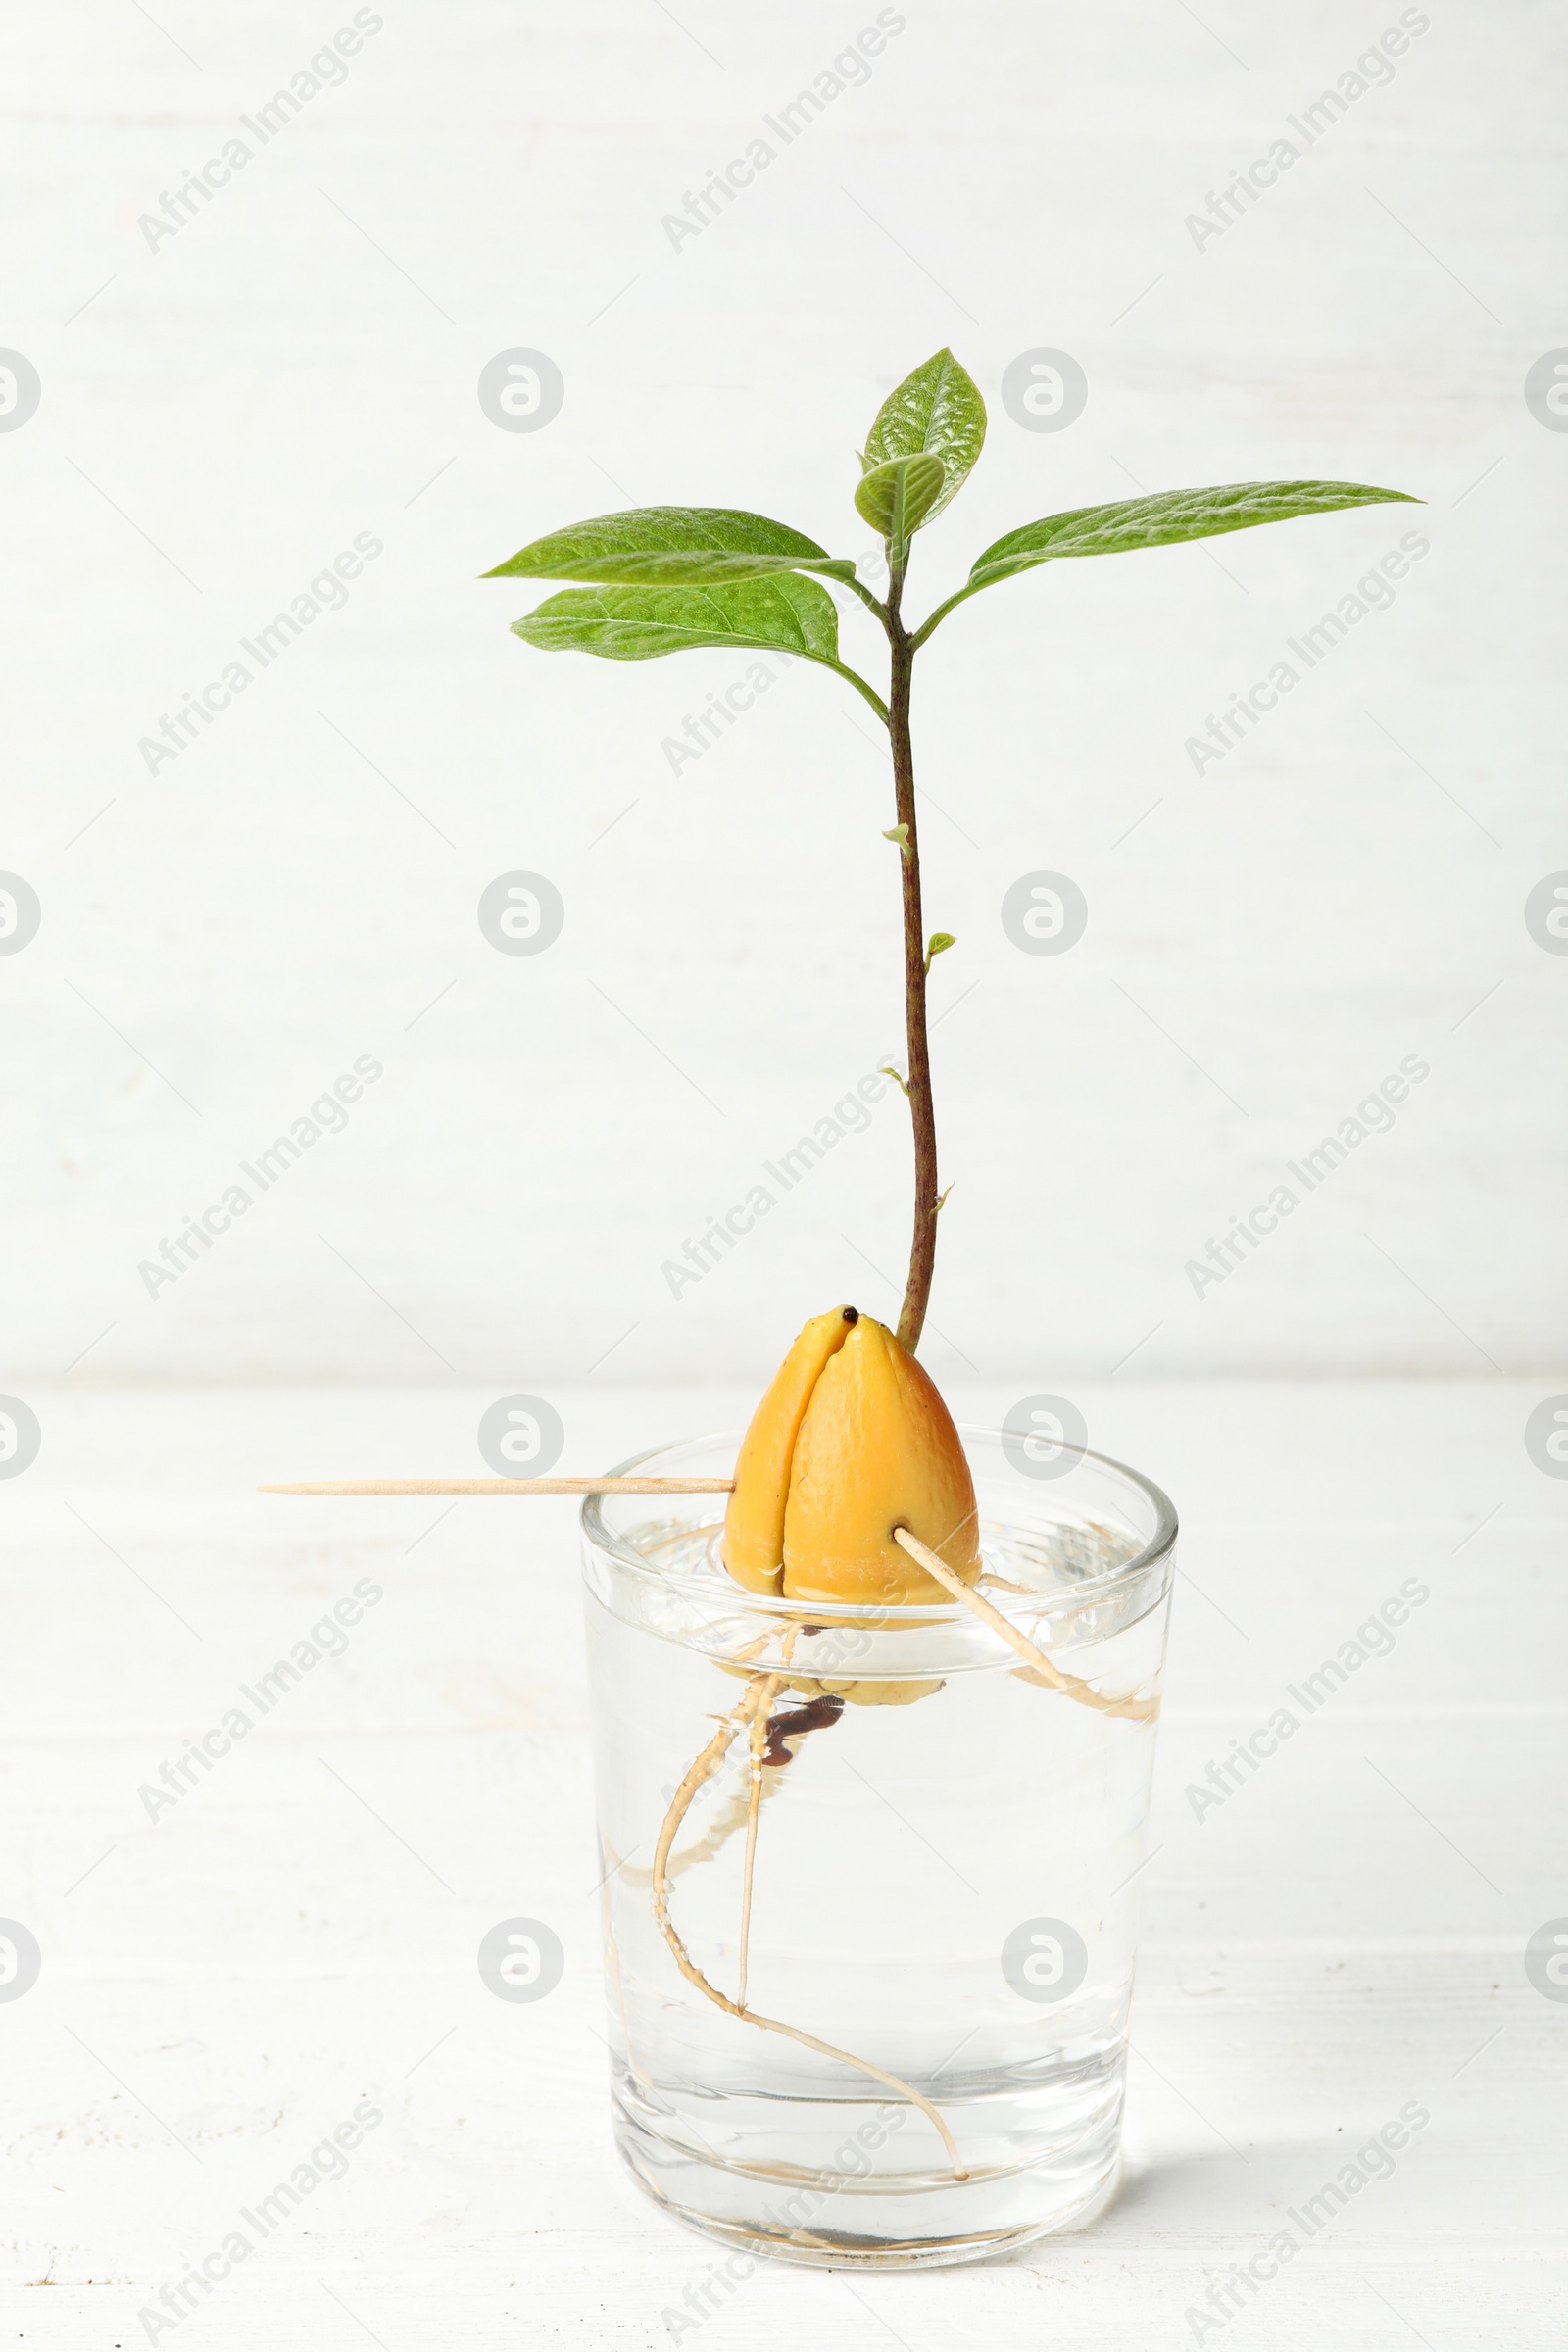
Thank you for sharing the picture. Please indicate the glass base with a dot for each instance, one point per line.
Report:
(917, 2221)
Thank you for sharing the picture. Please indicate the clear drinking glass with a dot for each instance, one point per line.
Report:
(944, 1884)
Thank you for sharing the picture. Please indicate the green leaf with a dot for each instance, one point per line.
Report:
(937, 408)
(634, 624)
(671, 546)
(938, 944)
(896, 498)
(785, 613)
(1163, 518)
(900, 834)
(1166, 517)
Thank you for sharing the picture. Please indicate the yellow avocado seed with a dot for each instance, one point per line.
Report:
(851, 1441)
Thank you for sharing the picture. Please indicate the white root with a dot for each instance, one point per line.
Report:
(758, 1698)
(1037, 1668)
(756, 1746)
(733, 1815)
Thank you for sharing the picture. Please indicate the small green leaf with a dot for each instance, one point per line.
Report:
(636, 624)
(671, 546)
(888, 1071)
(1166, 517)
(901, 835)
(898, 497)
(938, 408)
(938, 944)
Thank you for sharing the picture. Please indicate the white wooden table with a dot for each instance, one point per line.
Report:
(295, 1934)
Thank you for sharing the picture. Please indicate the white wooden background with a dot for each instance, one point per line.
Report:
(219, 1989)
(219, 417)
(298, 364)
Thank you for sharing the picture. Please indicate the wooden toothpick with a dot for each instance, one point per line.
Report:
(508, 1485)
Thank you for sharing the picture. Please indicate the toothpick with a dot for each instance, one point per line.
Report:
(509, 1486)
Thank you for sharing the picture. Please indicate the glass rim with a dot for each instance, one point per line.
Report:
(891, 1614)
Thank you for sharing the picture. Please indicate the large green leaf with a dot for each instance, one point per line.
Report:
(1165, 517)
(1159, 520)
(634, 624)
(785, 614)
(937, 408)
(895, 499)
(673, 547)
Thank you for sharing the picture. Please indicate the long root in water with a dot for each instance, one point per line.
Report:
(756, 1701)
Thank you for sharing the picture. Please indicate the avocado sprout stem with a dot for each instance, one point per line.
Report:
(922, 1107)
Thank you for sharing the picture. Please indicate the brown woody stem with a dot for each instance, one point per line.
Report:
(922, 1112)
